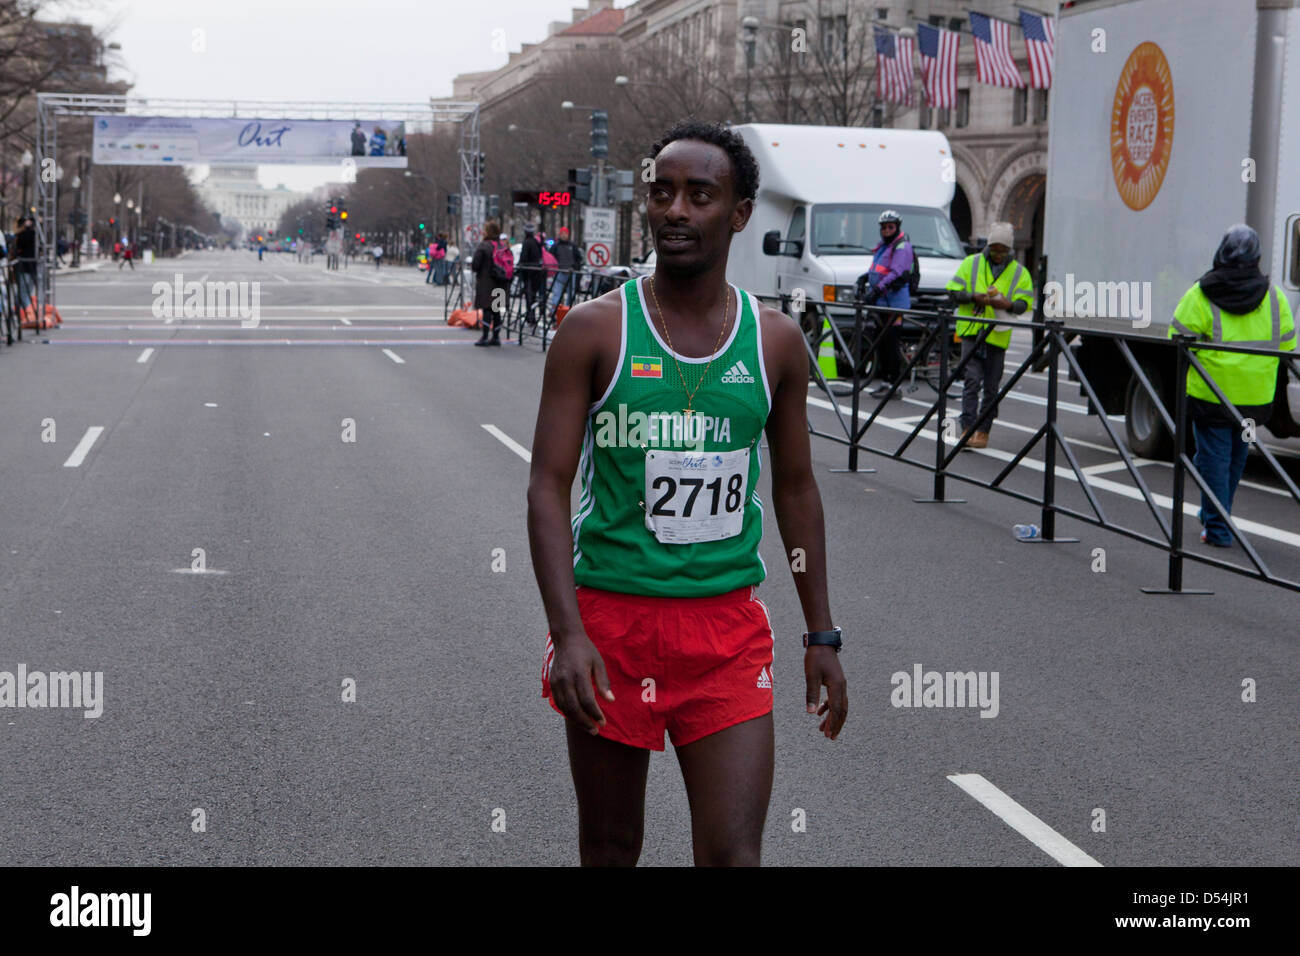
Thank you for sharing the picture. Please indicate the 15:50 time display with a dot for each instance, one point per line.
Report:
(554, 200)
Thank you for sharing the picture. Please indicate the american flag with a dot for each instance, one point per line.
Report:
(938, 65)
(1040, 42)
(893, 67)
(994, 65)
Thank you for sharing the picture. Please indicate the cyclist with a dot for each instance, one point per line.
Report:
(885, 283)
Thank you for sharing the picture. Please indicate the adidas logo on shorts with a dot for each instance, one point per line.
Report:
(738, 375)
(765, 679)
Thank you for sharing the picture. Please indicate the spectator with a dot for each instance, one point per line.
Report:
(531, 273)
(1233, 303)
(22, 253)
(886, 283)
(128, 255)
(490, 284)
(989, 284)
(568, 262)
(358, 141)
(378, 253)
(378, 140)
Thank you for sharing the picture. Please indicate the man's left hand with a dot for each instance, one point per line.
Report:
(821, 668)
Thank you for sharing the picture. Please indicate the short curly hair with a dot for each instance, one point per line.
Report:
(743, 164)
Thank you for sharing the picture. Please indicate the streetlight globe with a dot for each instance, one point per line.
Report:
(566, 105)
(130, 204)
(513, 127)
(621, 81)
(750, 23)
(27, 157)
(117, 197)
(76, 182)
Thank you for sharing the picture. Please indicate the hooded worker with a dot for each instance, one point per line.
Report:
(1232, 304)
(988, 285)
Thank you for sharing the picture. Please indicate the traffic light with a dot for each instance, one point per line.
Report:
(453, 205)
(300, 232)
(482, 165)
(421, 227)
(343, 214)
(112, 221)
(333, 209)
(356, 235)
(599, 134)
(581, 179)
(493, 206)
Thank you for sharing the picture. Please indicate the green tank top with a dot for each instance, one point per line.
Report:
(669, 503)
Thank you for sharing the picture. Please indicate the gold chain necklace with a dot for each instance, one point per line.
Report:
(663, 321)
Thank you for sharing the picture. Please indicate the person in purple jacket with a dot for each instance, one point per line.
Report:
(885, 283)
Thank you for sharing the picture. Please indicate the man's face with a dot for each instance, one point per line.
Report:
(692, 206)
(998, 253)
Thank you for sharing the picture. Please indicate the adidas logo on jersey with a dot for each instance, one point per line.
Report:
(765, 679)
(738, 375)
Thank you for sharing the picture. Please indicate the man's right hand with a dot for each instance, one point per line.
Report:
(576, 666)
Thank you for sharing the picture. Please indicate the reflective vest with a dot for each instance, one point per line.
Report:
(975, 276)
(1243, 379)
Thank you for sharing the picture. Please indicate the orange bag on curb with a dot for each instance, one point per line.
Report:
(465, 318)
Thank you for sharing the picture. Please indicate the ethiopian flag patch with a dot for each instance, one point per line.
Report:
(647, 366)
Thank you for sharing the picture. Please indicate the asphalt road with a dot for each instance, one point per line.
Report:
(371, 561)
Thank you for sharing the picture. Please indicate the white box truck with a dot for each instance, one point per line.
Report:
(821, 189)
(1170, 121)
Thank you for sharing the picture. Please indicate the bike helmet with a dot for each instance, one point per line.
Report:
(889, 216)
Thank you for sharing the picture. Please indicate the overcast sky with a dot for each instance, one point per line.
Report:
(396, 51)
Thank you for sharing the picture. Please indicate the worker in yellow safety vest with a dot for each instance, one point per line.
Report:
(989, 285)
(1232, 304)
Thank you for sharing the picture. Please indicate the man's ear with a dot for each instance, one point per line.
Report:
(740, 218)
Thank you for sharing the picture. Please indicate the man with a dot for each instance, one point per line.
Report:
(885, 283)
(23, 256)
(988, 285)
(358, 140)
(1232, 304)
(663, 632)
(378, 253)
(486, 298)
(531, 272)
(567, 261)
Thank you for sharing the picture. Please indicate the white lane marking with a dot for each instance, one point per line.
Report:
(280, 277)
(1002, 422)
(144, 356)
(1102, 484)
(1022, 821)
(209, 404)
(509, 442)
(395, 357)
(83, 447)
(345, 320)
(194, 571)
(1115, 466)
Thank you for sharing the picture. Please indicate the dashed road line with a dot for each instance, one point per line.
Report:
(144, 356)
(1022, 821)
(395, 357)
(83, 447)
(509, 442)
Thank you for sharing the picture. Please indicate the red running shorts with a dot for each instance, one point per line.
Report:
(688, 666)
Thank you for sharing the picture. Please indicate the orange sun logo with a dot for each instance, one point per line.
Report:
(1142, 126)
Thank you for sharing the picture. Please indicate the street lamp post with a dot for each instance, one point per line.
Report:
(27, 165)
(749, 33)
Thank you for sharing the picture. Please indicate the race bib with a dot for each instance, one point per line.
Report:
(695, 496)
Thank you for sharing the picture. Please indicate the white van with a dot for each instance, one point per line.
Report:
(821, 190)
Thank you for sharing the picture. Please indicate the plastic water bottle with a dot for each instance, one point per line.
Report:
(1026, 532)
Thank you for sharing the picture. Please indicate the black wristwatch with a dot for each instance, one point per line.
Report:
(829, 638)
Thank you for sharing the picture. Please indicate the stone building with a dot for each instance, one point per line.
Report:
(234, 193)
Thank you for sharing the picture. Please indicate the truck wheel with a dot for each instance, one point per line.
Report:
(1147, 435)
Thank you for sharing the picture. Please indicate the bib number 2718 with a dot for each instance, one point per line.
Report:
(695, 496)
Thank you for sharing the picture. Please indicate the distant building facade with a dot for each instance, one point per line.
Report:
(234, 193)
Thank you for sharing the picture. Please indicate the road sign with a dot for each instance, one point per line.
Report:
(599, 229)
(597, 254)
